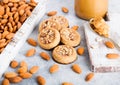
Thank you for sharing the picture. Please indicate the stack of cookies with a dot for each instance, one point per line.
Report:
(55, 34)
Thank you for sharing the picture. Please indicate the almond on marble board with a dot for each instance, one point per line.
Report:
(80, 50)
(10, 75)
(110, 44)
(30, 52)
(26, 75)
(76, 68)
(16, 79)
(41, 80)
(67, 83)
(5, 82)
(45, 56)
(65, 10)
(34, 69)
(54, 68)
(32, 42)
(52, 13)
(14, 64)
(112, 55)
(89, 77)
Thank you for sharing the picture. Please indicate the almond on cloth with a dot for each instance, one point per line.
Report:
(45, 56)
(16, 79)
(10, 75)
(32, 42)
(110, 44)
(112, 56)
(89, 77)
(22, 69)
(67, 83)
(30, 52)
(26, 75)
(14, 64)
(65, 10)
(54, 68)
(52, 13)
(41, 80)
(5, 82)
(76, 68)
(80, 50)
(75, 27)
(34, 69)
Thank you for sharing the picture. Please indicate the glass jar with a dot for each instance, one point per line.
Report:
(87, 9)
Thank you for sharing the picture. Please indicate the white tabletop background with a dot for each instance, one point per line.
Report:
(65, 73)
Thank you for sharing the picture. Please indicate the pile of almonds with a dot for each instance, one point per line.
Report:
(13, 13)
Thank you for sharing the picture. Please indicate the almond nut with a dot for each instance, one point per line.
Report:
(14, 64)
(41, 80)
(52, 13)
(109, 44)
(65, 10)
(54, 68)
(80, 50)
(22, 69)
(34, 69)
(26, 75)
(112, 56)
(30, 52)
(45, 56)
(89, 76)
(67, 83)
(23, 63)
(75, 27)
(10, 75)
(32, 42)
(76, 68)
(5, 82)
(16, 79)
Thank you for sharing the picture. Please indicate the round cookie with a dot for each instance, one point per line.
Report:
(70, 37)
(48, 38)
(49, 24)
(61, 20)
(64, 54)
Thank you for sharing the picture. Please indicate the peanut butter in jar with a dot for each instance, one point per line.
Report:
(87, 9)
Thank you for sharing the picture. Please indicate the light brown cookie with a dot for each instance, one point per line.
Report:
(48, 38)
(64, 54)
(61, 20)
(70, 37)
(49, 24)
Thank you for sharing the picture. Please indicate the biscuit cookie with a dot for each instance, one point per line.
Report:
(61, 20)
(48, 38)
(64, 54)
(70, 37)
(49, 24)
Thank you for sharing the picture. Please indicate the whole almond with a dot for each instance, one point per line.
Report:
(32, 42)
(10, 75)
(112, 56)
(109, 44)
(16, 79)
(14, 64)
(89, 77)
(2, 10)
(65, 10)
(75, 27)
(67, 83)
(23, 63)
(26, 75)
(30, 52)
(80, 50)
(76, 68)
(22, 69)
(41, 80)
(52, 13)
(54, 68)
(5, 82)
(45, 56)
(34, 69)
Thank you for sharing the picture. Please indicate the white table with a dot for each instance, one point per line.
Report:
(65, 73)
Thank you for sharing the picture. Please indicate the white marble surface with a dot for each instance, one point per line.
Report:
(65, 73)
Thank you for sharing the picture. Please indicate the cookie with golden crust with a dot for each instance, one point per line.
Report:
(61, 20)
(64, 54)
(48, 38)
(70, 37)
(49, 24)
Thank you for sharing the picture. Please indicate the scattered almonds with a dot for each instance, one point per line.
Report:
(41, 80)
(26, 75)
(75, 27)
(45, 56)
(109, 44)
(89, 77)
(54, 68)
(30, 52)
(112, 56)
(10, 75)
(5, 82)
(80, 50)
(52, 13)
(65, 10)
(32, 42)
(34, 69)
(14, 64)
(67, 83)
(76, 68)
(16, 79)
